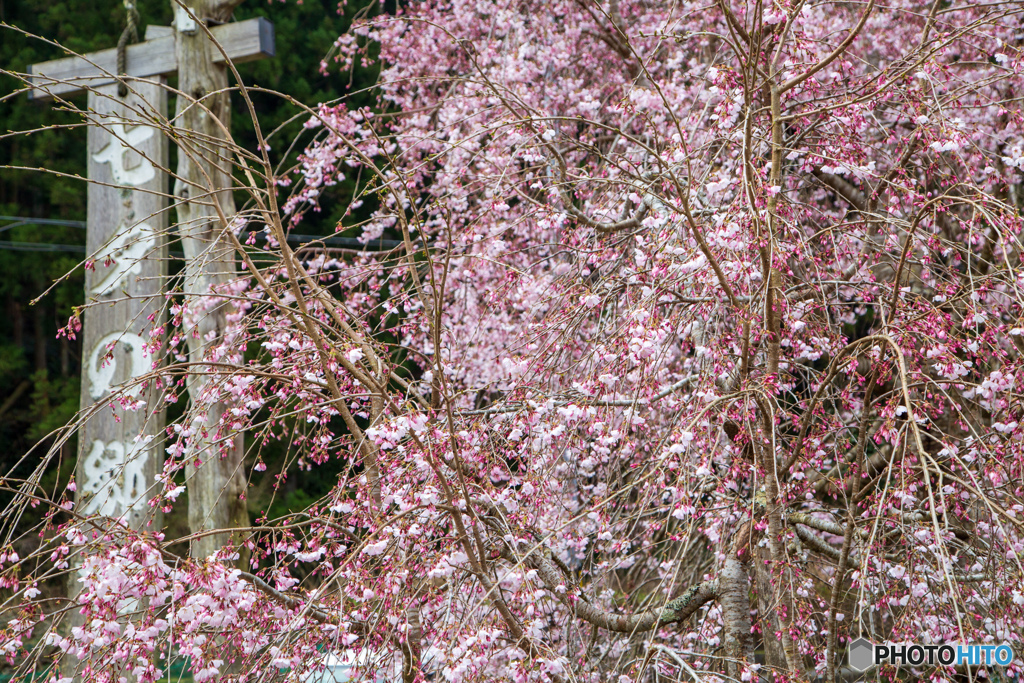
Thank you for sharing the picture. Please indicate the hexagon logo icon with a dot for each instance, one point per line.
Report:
(860, 654)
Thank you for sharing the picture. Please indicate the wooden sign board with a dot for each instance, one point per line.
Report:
(121, 441)
(120, 452)
(242, 41)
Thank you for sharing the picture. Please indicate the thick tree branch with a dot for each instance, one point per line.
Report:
(542, 561)
(845, 189)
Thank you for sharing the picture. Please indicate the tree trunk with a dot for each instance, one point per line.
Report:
(17, 321)
(39, 333)
(768, 610)
(116, 473)
(216, 480)
(734, 588)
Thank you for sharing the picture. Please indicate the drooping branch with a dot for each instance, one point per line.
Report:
(839, 50)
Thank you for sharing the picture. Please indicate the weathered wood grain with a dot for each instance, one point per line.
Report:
(241, 41)
(215, 474)
(117, 468)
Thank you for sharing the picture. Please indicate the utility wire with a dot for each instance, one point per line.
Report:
(23, 220)
(41, 246)
(293, 238)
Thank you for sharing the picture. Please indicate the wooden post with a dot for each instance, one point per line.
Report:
(120, 450)
(205, 207)
(126, 225)
(121, 444)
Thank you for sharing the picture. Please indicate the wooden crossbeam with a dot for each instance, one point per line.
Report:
(243, 41)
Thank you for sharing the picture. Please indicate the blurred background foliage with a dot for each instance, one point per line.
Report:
(39, 372)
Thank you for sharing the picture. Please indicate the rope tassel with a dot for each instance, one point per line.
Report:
(129, 34)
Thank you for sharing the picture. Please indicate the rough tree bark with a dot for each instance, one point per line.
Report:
(216, 480)
(734, 587)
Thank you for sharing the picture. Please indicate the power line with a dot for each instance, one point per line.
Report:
(24, 220)
(353, 242)
(293, 238)
(42, 246)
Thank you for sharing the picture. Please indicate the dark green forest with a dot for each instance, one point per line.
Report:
(42, 234)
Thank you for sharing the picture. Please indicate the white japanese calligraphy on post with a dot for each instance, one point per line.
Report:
(124, 255)
(125, 143)
(115, 472)
(114, 480)
(127, 216)
(101, 368)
